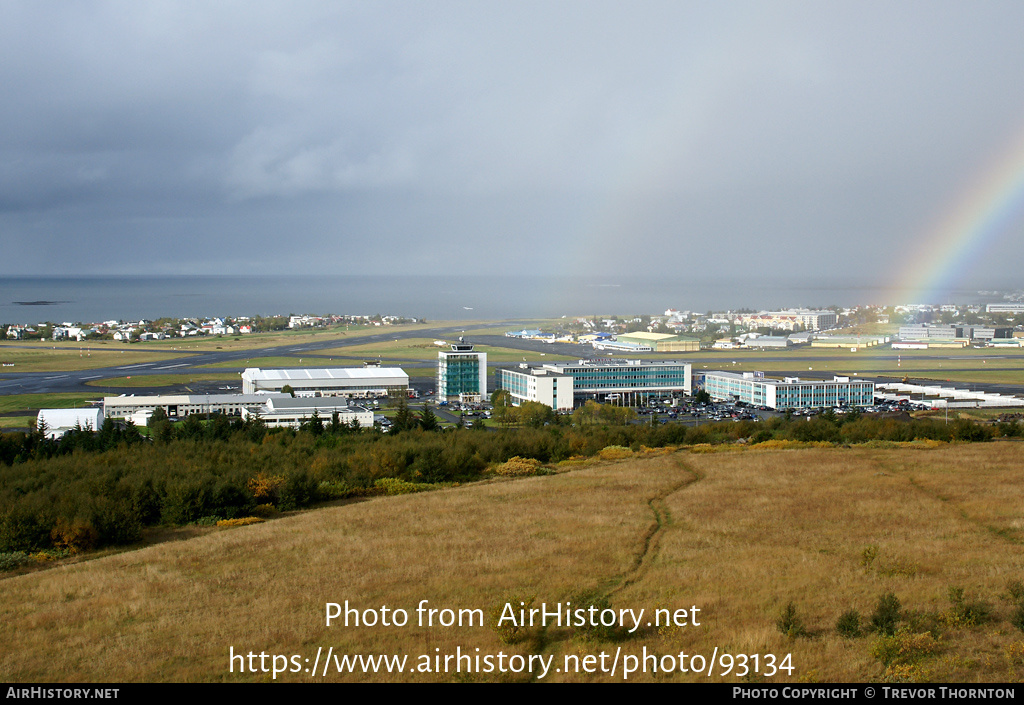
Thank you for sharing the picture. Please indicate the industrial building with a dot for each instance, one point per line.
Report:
(789, 393)
(954, 331)
(287, 412)
(561, 384)
(59, 421)
(178, 406)
(353, 382)
(660, 342)
(853, 342)
(767, 341)
(940, 397)
(1005, 308)
(461, 373)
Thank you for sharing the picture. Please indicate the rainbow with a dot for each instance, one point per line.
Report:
(964, 233)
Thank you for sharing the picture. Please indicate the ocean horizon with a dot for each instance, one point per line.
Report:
(89, 299)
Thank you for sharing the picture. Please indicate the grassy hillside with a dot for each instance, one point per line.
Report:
(738, 534)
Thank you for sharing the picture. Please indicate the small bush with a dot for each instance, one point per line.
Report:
(243, 521)
(49, 554)
(265, 487)
(868, 556)
(1014, 653)
(75, 536)
(1017, 618)
(1015, 592)
(13, 559)
(266, 511)
(509, 631)
(904, 648)
(964, 613)
(848, 624)
(393, 486)
(789, 623)
(209, 520)
(596, 632)
(887, 615)
(615, 453)
(339, 490)
(518, 467)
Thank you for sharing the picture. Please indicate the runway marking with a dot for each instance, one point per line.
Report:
(129, 367)
(57, 377)
(167, 367)
(96, 377)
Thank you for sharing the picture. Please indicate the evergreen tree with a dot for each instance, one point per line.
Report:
(403, 420)
(428, 421)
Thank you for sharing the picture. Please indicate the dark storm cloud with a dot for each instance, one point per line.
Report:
(362, 137)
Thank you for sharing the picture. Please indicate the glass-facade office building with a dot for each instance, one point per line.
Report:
(630, 381)
(789, 393)
(461, 370)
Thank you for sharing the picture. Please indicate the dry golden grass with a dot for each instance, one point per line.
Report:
(737, 534)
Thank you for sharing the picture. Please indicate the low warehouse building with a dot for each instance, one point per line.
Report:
(178, 406)
(292, 413)
(356, 382)
(57, 422)
(660, 342)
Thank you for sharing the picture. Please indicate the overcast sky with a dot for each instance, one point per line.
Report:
(443, 137)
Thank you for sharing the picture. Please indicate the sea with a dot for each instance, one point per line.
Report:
(90, 299)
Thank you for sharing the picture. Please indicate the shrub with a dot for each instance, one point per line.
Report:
(1017, 618)
(244, 521)
(615, 453)
(75, 536)
(887, 615)
(963, 613)
(393, 486)
(13, 559)
(511, 631)
(789, 623)
(517, 467)
(265, 487)
(596, 632)
(1015, 592)
(868, 556)
(904, 648)
(848, 624)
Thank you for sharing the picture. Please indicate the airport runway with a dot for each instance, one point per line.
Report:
(533, 351)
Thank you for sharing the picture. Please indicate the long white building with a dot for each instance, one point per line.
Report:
(355, 382)
(59, 421)
(792, 392)
(284, 411)
(558, 384)
(178, 406)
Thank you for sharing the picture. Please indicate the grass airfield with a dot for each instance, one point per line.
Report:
(738, 533)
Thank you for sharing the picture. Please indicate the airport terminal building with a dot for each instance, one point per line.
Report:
(789, 393)
(561, 385)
